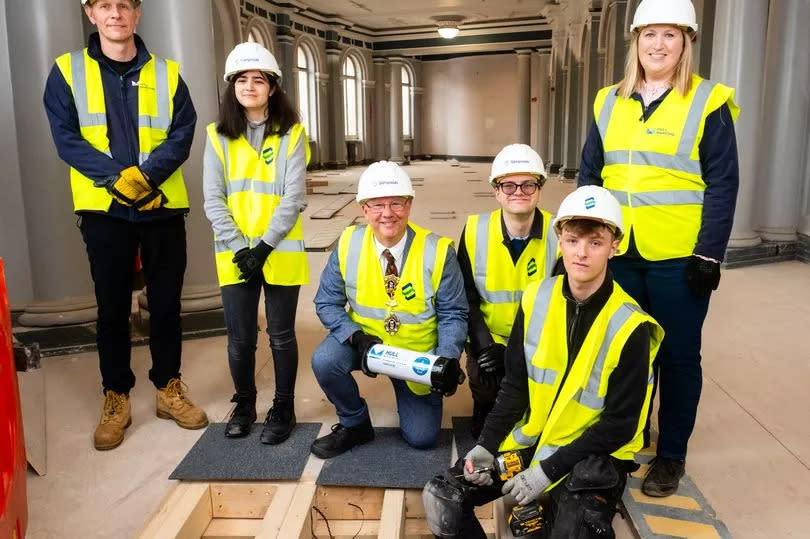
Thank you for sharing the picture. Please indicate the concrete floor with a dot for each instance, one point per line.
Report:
(750, 453)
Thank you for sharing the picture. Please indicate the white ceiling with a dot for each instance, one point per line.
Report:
(386, 14)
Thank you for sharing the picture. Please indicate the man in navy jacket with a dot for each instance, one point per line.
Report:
(123, 120)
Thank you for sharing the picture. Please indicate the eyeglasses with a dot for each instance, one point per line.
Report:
(395, 205)
(510, 188)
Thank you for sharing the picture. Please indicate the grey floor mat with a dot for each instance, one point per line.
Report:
(215, 457)
(461, 432)
(387, 462)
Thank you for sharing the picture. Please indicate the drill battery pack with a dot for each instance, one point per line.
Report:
(524, 520)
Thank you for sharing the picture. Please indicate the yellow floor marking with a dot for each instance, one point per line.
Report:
(642, 471)
(681, 528)
(681, 502)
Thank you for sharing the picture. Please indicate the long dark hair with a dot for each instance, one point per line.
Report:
(281, 114)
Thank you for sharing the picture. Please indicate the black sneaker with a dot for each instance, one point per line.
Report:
(242, 418)
(342, 439)
(279, 423)
(663, 477)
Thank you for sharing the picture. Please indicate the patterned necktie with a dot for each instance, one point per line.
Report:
(391, 267)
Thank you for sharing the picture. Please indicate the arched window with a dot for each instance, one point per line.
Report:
(353, 98)
(407, 103)
(307, 103)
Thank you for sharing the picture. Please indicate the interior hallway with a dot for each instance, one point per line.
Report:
(750, 453)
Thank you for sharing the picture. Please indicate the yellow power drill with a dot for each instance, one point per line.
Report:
(524, 519)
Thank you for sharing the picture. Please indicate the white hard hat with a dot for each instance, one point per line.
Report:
(384, 179)
(677, 12)
(517, 159)
(251, 56)
(591, 202)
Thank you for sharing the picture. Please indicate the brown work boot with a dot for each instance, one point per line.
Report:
(172, 403)
(115, 418)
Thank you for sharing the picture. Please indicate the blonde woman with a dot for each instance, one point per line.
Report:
(663, 143)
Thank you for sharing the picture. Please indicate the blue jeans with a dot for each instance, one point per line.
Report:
(420, 417)
(241, 305)
(661, 290)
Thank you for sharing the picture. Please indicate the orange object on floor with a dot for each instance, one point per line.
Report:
(13, 467)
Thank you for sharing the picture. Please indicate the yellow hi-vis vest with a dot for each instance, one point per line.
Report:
(499, 281)
(254, 184)
(156, 88)
(653, 167)
(415, 295)
(553, 424)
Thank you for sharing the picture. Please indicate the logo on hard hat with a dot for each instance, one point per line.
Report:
(590, 203)
(247, 60)
(518, 161)
(420, 365)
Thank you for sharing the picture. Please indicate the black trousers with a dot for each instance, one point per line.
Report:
(581, 506)
(241, 304)
(112, 245)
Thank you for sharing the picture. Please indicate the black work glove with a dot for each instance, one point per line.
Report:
(703, 276)
(454, 374)
(362, 342)
(251, 261)
(490, 359)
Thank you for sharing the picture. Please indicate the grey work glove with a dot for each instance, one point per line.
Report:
(528, 485)
(478, 458)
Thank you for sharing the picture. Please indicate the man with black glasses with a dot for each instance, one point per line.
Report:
(500, 253)
(403, 288)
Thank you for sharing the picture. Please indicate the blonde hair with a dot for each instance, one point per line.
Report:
(634, 72)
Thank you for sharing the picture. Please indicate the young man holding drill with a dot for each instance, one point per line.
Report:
(575, 394)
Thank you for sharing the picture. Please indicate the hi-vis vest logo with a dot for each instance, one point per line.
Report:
(408, 291)
(140, 84)
(420, 365)
(531, 269)
(660, 131)
(267, 153)
(590, 203)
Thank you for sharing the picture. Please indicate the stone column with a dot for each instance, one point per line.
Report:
(379, 109)
(558, 104)
(573, 146)
(620, 40)
(593, 69)
(61, 289)
(416, 150)
(286, 56)
(739, 59)
(13, 233)
(337, 127)
(396, 110)
(524, 84)
(369, 114)
(183, 31)
(543, 57)
(785, 105)
(322, 106)
(804, 224)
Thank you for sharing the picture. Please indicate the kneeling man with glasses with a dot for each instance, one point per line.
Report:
(403, 288)
(500, 253)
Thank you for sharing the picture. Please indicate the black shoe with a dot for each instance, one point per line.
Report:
(242, 419)
(279, 423)
(342, 439)
(663, 477)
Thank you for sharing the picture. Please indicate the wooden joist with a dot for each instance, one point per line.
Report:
(293, 510)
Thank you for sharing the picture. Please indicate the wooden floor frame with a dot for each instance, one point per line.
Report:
(288, 510)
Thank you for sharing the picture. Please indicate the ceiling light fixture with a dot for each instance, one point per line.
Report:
(448, 29)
